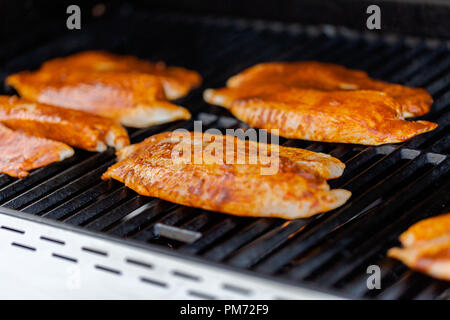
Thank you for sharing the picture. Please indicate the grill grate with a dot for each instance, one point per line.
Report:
(393, 186)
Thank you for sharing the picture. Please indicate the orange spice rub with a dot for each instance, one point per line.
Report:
(426, 247)
(135, 100)
(20, 153)
(76, 128)
(359, 116)
(326, 76)
(296, 189)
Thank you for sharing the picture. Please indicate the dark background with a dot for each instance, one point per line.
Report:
(421, 18)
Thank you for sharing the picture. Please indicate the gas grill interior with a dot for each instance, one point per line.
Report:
(393, 186)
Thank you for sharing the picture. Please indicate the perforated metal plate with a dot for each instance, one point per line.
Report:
(40, 261)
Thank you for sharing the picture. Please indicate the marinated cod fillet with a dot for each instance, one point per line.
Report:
(135, 100)
(20, 153)
(326, 76)
(288, 183)
(426, 247)
(358, 116)
(177, 82)
(76, 128)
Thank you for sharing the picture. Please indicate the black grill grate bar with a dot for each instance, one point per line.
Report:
(344, 49)
(405, 287)
(259, 244)
(140, 220)
(57, 181)
(372, 62)
(211, 236)
(173, 217)
(70, 190)
(210, 49)
(402, 196)
(435, 290)
(94, 210)
(218, 235)
(399, 60)
(326, 44)
(198, 244)
(439, 85)
(5, 179)
(433, 72)
(344, 152)
(436, 144)
(255, 251)
(228, 50)
(302, 43)
(368, 244)
(442, 102)
(307, 240)
(442, 145)
(391, 272)
(118, 211)
(376, 172)
(36, 176)
(64, 210)
(397, 72)
(222, 72)
(246, 235)
(318, 46)
(27, 61)
(371, 247)
(425, 60)
(360, 163)
(114, 216)
(199, 221)
(371, 49)
(81, 195)
(422, 141)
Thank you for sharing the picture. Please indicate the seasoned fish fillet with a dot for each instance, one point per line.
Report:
(135, 100)
(326, 76)
(295, 188)
(426, 247)
(76, 128)
(358, 116)
(177, 82)
(20, 153)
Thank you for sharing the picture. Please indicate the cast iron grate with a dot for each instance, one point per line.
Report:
(393, 186)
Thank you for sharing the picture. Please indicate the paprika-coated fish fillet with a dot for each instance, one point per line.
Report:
(176, 81)
(76, 128)
(204, 171)
(358, 116)
(232, 149)
(426, 247)
(135, 100)
(20, 153)
(326, 76)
